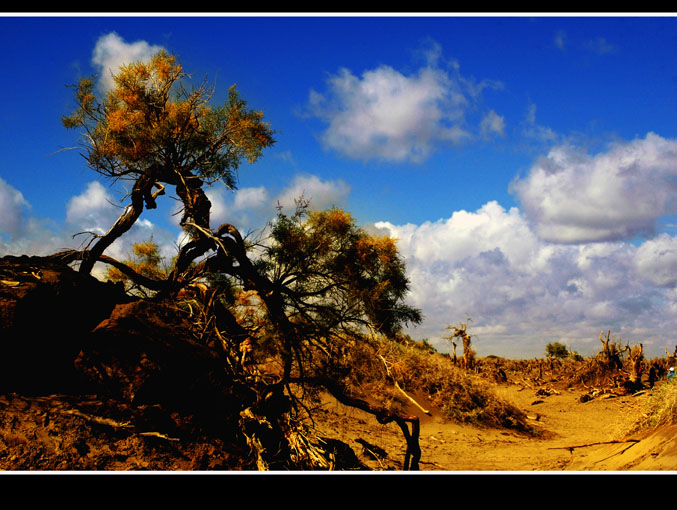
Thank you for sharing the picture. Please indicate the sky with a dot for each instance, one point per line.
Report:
(525, 164)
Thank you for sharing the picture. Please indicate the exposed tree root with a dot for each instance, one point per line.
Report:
(383, 416)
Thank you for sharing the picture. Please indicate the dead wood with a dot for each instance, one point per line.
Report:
(406, 395)
(383, 416)
(571, 448)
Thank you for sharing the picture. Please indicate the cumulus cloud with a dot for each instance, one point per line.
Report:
(656, 260)
(112, 51)
(13, 207)
(93, 210)
(387, 115)
(523, 292)
(572, 196)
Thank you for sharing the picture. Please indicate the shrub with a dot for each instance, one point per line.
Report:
(462, 396)
(556, 350)
(660, 408)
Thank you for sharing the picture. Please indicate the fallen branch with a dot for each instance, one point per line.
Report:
(127, 425)
(160, 435)
(98, 419)
(571, 448)
(392, 379)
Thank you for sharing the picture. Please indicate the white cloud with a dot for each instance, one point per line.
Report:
(93, 210)
(533, 131)
(13, 208)
(321, 194)
(246, 208)
(111, 52)
(522, 292)
(251, 208)
(493, 123)
(571, 196)
(656, 260)
(35, 238)
(385, 114)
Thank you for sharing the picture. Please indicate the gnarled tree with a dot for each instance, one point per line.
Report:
(460, 331)
(318, 281)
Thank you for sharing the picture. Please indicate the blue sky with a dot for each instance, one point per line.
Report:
(526, 164)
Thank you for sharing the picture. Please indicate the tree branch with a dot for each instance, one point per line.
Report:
(383, 416)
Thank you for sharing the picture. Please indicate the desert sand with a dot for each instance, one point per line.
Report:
(576, 436)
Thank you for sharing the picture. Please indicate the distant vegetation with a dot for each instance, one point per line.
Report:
(556, 350)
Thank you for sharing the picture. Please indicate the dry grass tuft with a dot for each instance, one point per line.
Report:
(659, 409)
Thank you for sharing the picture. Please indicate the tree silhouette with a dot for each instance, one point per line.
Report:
(317, 282)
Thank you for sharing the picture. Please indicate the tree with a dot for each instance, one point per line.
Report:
(153, 131)
(460, 331)
(316, 286)
(333, 279)
(556, 350)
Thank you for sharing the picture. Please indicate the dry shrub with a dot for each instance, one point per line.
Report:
(659, 409)
(462, 396)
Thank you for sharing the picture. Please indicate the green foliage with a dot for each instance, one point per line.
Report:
(427, 346)
(334, 274)
(556, 350)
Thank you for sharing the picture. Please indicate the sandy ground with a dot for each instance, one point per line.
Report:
(577, 436)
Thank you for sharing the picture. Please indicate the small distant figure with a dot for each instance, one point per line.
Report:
(671, 374)
(652, 376)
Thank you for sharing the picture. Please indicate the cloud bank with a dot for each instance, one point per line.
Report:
(562, 267)
(522, 291)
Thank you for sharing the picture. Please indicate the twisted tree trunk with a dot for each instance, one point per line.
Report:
(142, 192)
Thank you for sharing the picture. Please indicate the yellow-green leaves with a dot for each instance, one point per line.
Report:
(151, 119)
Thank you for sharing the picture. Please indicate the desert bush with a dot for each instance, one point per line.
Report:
(462, 396)
(556, 350)
(660, 408)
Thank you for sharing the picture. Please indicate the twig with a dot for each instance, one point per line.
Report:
(160, 435)
(571, 448)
